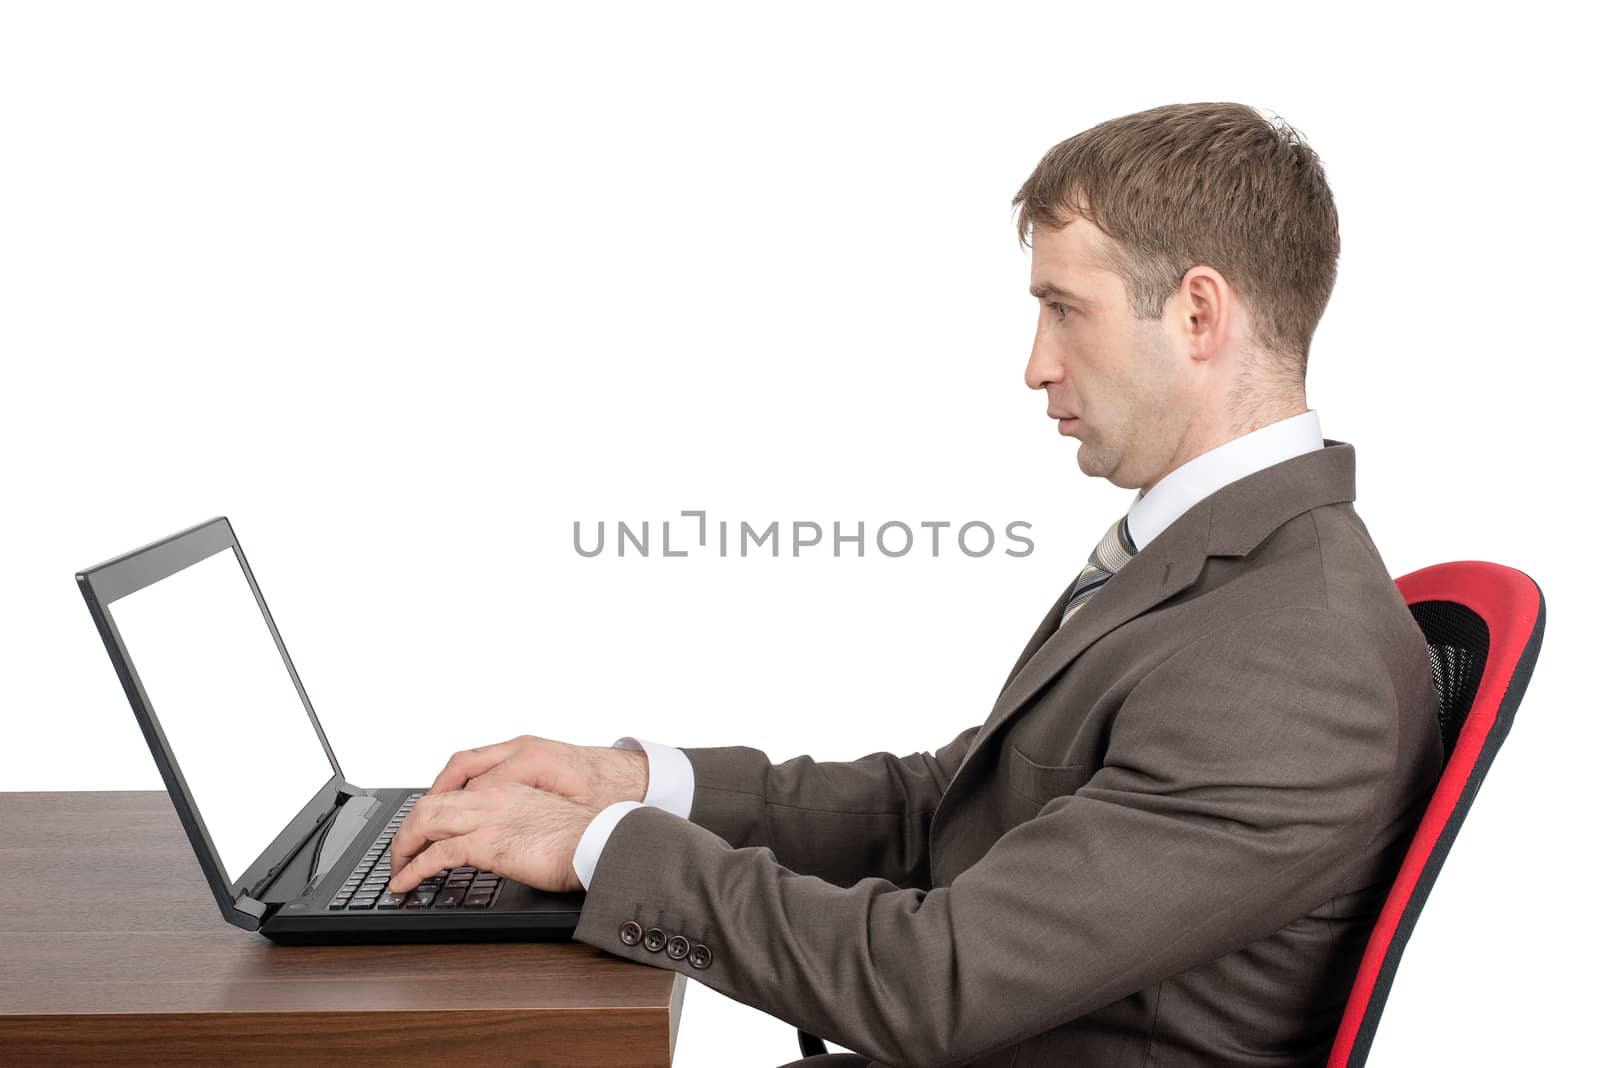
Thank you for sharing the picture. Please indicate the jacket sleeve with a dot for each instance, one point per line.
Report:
(1240, 775)
(838, 820)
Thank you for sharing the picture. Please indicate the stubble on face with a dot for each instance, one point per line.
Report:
(1140, 414)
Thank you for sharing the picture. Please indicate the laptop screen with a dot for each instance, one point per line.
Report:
(222, 694)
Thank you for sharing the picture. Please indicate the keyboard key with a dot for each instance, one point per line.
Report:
(420, 899)
(391, 901)
(363, 902)
(477, 899)
(448, 898)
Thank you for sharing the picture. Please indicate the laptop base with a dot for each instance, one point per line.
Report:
(292, 931)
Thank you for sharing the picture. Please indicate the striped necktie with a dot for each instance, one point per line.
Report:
(1109, 557)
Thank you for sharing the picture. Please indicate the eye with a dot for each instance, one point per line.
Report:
(1061, 310)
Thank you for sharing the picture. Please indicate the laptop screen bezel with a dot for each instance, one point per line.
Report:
(105, 583)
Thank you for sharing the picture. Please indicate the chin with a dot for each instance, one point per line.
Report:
(1094, 462)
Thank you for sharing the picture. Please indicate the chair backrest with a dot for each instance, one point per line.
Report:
(1484, 623)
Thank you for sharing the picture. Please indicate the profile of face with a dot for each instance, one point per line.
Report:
(1128, 389)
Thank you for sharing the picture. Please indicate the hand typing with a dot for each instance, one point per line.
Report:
(516, 830)
(591, 775)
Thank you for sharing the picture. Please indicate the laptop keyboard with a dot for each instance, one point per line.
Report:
(368, 885)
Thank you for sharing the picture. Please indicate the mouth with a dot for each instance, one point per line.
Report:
(1065, 424)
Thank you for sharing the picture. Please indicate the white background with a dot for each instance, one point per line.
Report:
(405, 290)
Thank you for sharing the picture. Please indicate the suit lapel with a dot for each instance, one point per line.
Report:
(1047, 627)
(1230, 522)
(1170, 565)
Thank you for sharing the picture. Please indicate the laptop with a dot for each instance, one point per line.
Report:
(291, 849)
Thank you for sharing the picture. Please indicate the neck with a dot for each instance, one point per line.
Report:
(1211, 433)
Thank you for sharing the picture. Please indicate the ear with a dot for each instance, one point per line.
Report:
(1205, 305)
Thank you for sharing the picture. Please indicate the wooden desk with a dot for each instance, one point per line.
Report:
(112, 951)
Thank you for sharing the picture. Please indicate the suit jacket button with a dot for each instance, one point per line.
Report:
(677, 947)
(630, 933)
(654, 939)
(699, 956)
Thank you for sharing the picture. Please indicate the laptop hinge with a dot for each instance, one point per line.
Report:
(272, 874)
(321, 850)
(250, 907)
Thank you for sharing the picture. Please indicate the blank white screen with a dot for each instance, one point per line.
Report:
(223, 696)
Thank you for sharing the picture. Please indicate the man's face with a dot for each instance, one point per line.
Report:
(1116, 383)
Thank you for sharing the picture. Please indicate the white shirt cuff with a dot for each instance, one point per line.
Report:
(671, 784)
(595, 836)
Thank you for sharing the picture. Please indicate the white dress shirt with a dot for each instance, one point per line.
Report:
(670, 786)
(671, 782)
(1188, 485)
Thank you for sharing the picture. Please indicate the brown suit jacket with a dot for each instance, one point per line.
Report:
(1165, 846)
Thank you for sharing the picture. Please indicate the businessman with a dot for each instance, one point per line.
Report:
(1169, 839)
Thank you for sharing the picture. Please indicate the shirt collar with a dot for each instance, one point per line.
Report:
(1184, 487)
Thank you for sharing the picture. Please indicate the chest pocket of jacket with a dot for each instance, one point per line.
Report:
(1029, 785)
(1039, 783)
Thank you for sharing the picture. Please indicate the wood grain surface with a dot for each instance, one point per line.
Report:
(112, 951)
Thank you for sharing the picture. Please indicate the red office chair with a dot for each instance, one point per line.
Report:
(1484, 623)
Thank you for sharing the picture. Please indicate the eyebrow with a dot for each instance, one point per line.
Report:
(1050, 289)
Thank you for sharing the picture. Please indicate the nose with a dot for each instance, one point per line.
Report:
(1043, 368)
